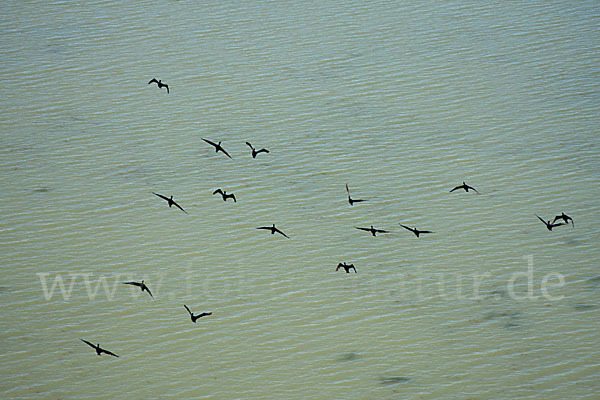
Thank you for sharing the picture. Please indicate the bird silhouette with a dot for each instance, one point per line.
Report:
(549, 225)
(170, 201)
(98, 349)
(255, 152)
(373, 231)
(466, 187)
(273, 230)
(415, 230)
(195, 317)
(347, 267)
(351, 200)
(159, 83)
(141, 285)
(225, 195)
(565, 218)
(217, 147)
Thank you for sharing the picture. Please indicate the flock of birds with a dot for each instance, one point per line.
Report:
(550, 224)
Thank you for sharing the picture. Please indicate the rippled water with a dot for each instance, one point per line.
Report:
(402, 101)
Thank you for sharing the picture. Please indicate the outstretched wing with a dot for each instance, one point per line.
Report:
(472, 188)
(381, 231)
(363, 229)
(541, 219)
(265, 227)
(167, 86)
(88, 343)
(277, 230)
(161, 196)
(132, 283)
(110, 353)
(426, 232)
(204, 314)
(218, 191)
(209, 142)
(225, 152)
(147, 290)
(408, 228)
(178, 206)
(456, 188)
(188, 310)
(153, 80)
(262, 151)
(249, 145)
(347, 190)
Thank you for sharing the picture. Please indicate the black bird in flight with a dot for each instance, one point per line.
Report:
(273, 230)
(255, 152)
(415, 230)
(159, 83)
(170, 201)
(351, 200)
(217, 147)
(466, 187)
(98, 349)
(225, 195)
(195, 317)
(347, 267)
(141, 285)
(373, 231)
(549, 225)
(565, 218)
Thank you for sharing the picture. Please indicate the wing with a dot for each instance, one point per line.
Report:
(226, 153)
(559, 224)
(540, 218)
(381, 231)
(426, 232)
(178, 206)
(110, 353)
(188, 310)
(152, 80)
(204, 314)
(456, 188)
(161, 196)
(88, 343)
(262, 151)
(363, 229)
(233, 197)
(148, 290)
(472, 188)
(265, 227)
(406, 227)
(132, 283)
(209, 142)
(218, 191)
(357, 200)
(277, 230)
(556, 218)
(347, 190)
(167, 86)
(249, 145)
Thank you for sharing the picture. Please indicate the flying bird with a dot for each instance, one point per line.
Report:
(351, 200)
(170, 201)
(347, 267)
(255, 152)
(549, 225)
(565, 218)
(159, 83)
(141, 285)
(415, 230)
(98, 349)
(373, 231)
(217, 147)
(195, 317)
(466, 187)
(225, 195)
(273, 230)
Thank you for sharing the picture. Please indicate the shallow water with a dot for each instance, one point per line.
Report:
(400, 101)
